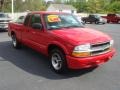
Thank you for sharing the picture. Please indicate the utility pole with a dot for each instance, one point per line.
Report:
(12, 8)
(23, 0)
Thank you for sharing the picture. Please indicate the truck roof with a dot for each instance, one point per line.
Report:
(47, 12)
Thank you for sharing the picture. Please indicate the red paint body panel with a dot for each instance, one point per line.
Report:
(87, 62)
(112, 18)
(79, 36)
(66, 38)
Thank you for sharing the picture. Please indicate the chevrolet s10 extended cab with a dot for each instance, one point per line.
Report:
(63, 38)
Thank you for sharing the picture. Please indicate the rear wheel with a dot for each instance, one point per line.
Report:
(15, 42)
(58, 61)
(103, 23)
(91, 22)
(84, 21)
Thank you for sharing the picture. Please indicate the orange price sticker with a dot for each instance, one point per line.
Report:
(53, 18)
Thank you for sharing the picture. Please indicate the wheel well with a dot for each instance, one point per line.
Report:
(53, 46)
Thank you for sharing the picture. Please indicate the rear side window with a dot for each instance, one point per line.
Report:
(91, 16)
(26, 22)
(2, 15)
(112, 15)
(20, 20)
(35, 19)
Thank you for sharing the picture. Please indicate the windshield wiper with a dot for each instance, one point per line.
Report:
(55, 28)
(72, 26)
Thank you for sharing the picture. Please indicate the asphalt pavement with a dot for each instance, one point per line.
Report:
(26, 69)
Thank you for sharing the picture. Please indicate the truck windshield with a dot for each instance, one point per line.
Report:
(97, 16)
(58, 21)
(3, 16)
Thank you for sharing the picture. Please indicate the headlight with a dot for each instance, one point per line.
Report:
(111, 42)
(81, 48)
(81, 51)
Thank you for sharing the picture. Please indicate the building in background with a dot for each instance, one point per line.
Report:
(62, 8)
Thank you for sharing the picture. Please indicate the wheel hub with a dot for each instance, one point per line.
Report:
(56, 61)
(14, 40)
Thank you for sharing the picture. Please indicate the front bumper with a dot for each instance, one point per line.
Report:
(87, 62)
(3, 25)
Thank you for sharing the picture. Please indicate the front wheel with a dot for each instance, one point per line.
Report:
(108, 21)
(15, 42)
(103, 23)
(118, 22)
(58, 61)
(97, 22)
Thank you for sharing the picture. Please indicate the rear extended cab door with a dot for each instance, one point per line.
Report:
(37, 39)
(25, 30)
(112, 17)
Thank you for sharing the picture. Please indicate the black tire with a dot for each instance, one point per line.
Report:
(16, 44)
(103, 23)
(108, 21)
(58, 61)
(91, 22)
(96, 22)
(84, 21)
(118, 21)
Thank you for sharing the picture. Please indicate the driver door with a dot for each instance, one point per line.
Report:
(36, 36)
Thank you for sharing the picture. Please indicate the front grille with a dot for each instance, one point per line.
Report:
(100, 48)
(4, 20)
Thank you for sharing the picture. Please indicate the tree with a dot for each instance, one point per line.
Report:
(1, 4)
(112, 1)
(95, 6)
(20, 6)
(80, 5)
(58, 1)
(6, 5)
(32, 5)
(114, 7)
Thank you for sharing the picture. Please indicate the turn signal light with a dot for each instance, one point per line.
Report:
(81, 54)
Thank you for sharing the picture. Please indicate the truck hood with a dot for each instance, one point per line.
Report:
(5, 19)
(81, 35)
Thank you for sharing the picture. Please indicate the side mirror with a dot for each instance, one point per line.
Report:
(36, 26)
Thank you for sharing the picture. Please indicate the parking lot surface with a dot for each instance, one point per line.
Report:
(26, 69)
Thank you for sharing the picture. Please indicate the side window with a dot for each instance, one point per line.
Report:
(35, 19)
(20, 20)
(26, 22)
(90, 16)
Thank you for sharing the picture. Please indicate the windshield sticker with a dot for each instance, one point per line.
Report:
(53, 18)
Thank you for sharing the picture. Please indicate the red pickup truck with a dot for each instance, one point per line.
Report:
(112, 18)
(63, 38)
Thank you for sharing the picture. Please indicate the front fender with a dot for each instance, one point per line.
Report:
(65, 47)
